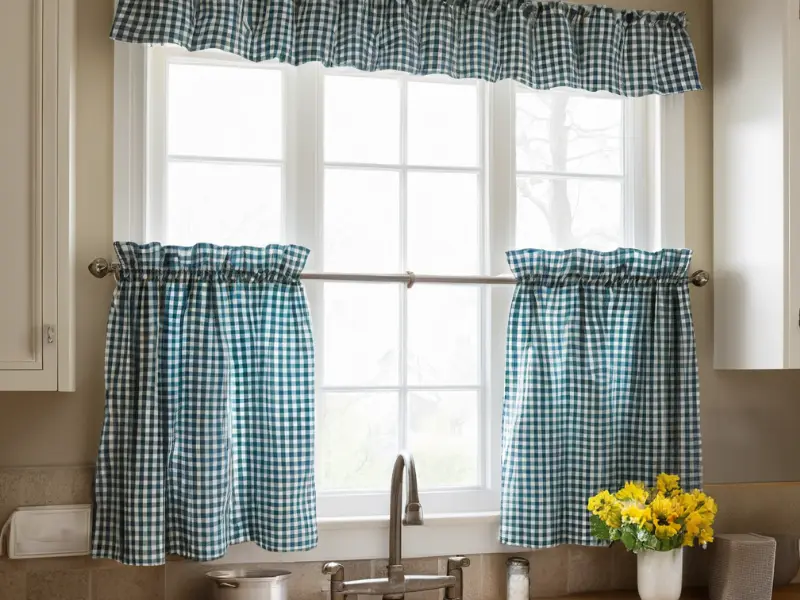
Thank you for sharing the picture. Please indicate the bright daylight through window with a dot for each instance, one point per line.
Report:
(386, 173)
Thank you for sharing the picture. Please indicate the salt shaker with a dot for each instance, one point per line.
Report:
(517, 578)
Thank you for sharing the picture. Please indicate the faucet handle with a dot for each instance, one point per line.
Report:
(335, 570)
(457, 562)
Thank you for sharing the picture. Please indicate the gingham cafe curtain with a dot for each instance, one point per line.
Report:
(601, 385)
(208, 438)
(539, 44)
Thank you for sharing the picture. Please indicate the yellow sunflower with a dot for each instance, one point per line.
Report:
(668, 484)
(706, 504)
(613, 516)
(607, 507)
(664, 516)
(599, 500)
(706, 536)
(693, 524)
(641, 516)
(633, 492)
(686, 504)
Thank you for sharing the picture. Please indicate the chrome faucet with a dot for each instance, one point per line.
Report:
(412, 515)
(397, 584)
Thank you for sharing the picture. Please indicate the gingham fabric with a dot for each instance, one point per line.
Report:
(539, 44)
(208, 438)
(601, 386)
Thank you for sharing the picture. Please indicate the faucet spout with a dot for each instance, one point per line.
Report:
(413, 510)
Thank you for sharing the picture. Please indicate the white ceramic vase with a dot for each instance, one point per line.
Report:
(660, 575)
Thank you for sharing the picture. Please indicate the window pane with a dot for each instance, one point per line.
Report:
(443, 207)
(232, 112)
(362, 221)
(444, 335)
(576, 213)
(357, 439)
(443, 124)
(361, 337)
(223, 204)
(444, 437)
(362, 119)
(567, 133)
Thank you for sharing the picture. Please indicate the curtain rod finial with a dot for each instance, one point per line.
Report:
(99, 267)
(700, 278)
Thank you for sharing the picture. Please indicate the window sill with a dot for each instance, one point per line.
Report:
(368, 538)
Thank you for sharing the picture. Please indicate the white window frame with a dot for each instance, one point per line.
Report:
(454, 524)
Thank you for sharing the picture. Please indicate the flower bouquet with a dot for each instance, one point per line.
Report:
(655, 523)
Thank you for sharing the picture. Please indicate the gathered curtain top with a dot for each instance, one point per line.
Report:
(541, 45)
(624, 266)
(280, 263)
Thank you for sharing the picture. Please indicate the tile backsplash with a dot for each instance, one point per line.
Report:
(555, 572)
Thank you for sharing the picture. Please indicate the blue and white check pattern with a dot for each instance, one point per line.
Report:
(601, 385)
(539, 44)
(208, 438)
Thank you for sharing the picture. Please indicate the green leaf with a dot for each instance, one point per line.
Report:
(599, 529)
(668, 544)
(629, 540)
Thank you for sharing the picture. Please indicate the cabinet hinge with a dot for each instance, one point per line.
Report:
(51, 334)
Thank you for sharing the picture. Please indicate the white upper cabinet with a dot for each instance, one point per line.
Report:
(756, 189)
(36, 195)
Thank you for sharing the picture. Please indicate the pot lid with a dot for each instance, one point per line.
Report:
(248, 574)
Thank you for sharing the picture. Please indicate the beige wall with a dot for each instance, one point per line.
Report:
(749, 419)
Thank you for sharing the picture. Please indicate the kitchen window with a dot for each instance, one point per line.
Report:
(387, 173)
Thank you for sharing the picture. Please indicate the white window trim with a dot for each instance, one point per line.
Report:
(365, 538)
(130, 126)
(668, 132)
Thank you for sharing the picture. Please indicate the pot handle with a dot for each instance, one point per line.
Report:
(227, 584)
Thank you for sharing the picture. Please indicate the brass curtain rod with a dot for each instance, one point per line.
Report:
(100, 267)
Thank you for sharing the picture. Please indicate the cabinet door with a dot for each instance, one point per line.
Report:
(756, 194)
(28, 207)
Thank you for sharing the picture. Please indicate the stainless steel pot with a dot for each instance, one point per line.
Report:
(250, 584)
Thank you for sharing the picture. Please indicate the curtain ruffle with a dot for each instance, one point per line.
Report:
(210, 262)
(624, 266)
(541, 45)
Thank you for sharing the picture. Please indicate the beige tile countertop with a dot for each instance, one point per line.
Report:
(791, 592)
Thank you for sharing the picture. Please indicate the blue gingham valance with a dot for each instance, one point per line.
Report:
(208, 437)
(601, 385)
(539, 44)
